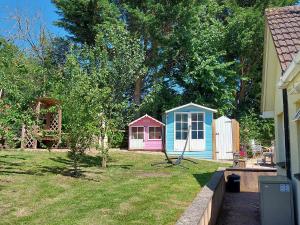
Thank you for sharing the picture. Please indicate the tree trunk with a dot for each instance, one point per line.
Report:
(103, 153)
(75, 163)
(104, 160)
(137, 91)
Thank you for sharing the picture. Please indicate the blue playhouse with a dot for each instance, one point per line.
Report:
(189, 127)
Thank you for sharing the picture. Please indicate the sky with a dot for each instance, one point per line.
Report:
(40, 12)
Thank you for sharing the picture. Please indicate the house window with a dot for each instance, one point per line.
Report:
(154, 133)
(181, 126)
(137, 133)
(197, 126)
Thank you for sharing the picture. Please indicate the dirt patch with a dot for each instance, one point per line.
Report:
(5, 181)
(105, 211)
(23, 212)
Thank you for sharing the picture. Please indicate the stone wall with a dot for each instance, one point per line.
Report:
(205, 208)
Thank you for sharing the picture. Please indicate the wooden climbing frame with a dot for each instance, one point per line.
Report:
(48, 124)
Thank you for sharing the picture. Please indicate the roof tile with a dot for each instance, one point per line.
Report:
(284, 24)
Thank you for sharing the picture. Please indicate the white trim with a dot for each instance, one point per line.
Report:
(267, 35)
(290, 73)
(267, 115)
(204, 132)
(190, 135)
(149, 134)
(175, 123)
(295, 89)
(191, 104)
(297, 116)
(146, 115)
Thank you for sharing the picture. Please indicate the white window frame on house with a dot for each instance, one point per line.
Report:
(189, 122)
(181, 130)
(132, 137)
(180, 143)
(155, 127)
(198, 130)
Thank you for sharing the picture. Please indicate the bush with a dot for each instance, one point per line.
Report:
(116, 139)
(254, 127)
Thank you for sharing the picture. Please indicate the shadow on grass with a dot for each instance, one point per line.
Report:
(7, 167)
(13, 156)
(84, 162)
(64, 166)
(203, 178)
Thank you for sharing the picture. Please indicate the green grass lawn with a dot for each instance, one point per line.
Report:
(35, 188)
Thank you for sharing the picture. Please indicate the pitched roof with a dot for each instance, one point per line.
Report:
(146, 115)
(192, 104)
(284, 24)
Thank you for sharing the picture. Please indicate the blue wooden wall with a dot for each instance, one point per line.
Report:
(169, 120)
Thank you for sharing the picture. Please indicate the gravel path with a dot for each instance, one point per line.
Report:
(240, 209)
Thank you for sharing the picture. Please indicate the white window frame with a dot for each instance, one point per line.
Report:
(131, 133)
(203, 121)
(154, 139)
(177, 113)
(190, 123)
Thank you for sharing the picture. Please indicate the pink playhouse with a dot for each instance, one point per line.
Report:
(146, 133)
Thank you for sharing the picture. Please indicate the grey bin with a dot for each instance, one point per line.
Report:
(276, 200)
(233, 183)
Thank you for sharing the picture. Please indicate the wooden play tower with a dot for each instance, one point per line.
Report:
(48, 125)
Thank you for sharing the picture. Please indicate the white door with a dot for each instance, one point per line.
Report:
(197, 132)
(181, 131)
(137, 138)
(192, 123)
(224, 147)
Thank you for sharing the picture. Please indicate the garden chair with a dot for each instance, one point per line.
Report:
(257, 149)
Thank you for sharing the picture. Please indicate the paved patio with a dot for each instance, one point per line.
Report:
(240, 209)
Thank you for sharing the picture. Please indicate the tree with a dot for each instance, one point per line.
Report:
(120, 59)
(82, 18)
(256, 128)
(93, 89)
(198, 62)
(244, 45)
(19, 84)
(81, 103)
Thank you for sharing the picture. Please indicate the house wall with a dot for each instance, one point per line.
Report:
(272, 67)
(154, 145)
(207, 153)
(294, 106)
(272, 95)
(272, 101)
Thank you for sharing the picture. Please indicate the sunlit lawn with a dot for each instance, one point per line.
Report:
(36, 188)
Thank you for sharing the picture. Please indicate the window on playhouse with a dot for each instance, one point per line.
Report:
(137, 133)
(154, 133)
(197, 126)
(181, 121)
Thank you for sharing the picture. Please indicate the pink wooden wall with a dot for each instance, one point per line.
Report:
(146, 122)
